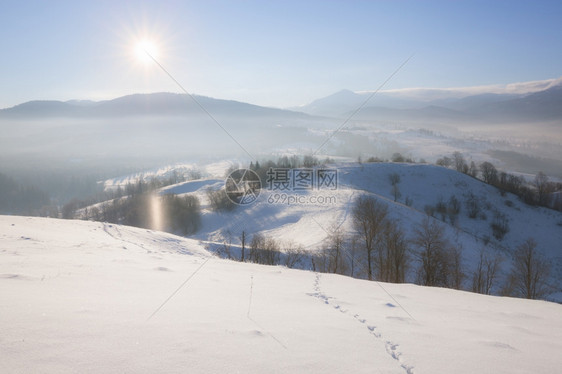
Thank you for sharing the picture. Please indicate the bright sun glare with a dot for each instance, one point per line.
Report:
(145, 51)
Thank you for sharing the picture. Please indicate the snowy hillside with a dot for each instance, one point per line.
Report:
(421, 186)
(90, 297)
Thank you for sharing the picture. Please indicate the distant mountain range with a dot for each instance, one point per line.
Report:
(153, 104)
(545, 105)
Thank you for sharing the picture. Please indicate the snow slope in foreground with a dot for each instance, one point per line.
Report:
(91, 297)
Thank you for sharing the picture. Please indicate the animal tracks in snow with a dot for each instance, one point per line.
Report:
(390, 347)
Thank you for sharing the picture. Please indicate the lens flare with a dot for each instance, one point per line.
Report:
(156, 213)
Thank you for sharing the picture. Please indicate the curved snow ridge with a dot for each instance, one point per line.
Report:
(155, 241)
(191, 186)
(90, 236)
(390, 347)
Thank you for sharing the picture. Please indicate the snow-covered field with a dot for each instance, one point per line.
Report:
(91, 297)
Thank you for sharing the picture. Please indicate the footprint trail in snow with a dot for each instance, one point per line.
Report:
(390, 347)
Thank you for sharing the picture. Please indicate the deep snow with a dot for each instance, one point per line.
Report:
(92, 297)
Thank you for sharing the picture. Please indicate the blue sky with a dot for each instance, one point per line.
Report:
(275, 53)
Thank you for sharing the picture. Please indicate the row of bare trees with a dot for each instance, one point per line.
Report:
(177, 214)
(541, 191)
(389, 255)
(378, 249)
(264, 250)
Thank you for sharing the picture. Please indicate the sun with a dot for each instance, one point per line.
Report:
(146, 51)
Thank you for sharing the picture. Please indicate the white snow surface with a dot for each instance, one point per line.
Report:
(92, 297)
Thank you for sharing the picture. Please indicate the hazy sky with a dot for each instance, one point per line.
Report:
(275, 53)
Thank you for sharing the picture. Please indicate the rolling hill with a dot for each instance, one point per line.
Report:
(309, 221)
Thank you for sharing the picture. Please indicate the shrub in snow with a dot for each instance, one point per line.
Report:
(500, 225)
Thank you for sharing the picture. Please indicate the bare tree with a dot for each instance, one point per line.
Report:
(256, 245)
(309, 161)
(445, 162)
(396, 192)
(225, 251)
(369, 219)
(544, 188)
(394, 179)
(219, 200)
(353, 252)
(335, 253)
(530, 271)
(293, 254)
(393, 257)
(460, 163)
(430, 239)
(453, 209)
(472, 170)
(485, 274)
(456, 268)
(320, 261)
(397, 157)
(472, 206)
(271, 252)
(500, 225)
(489, 172)
(242, 245)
